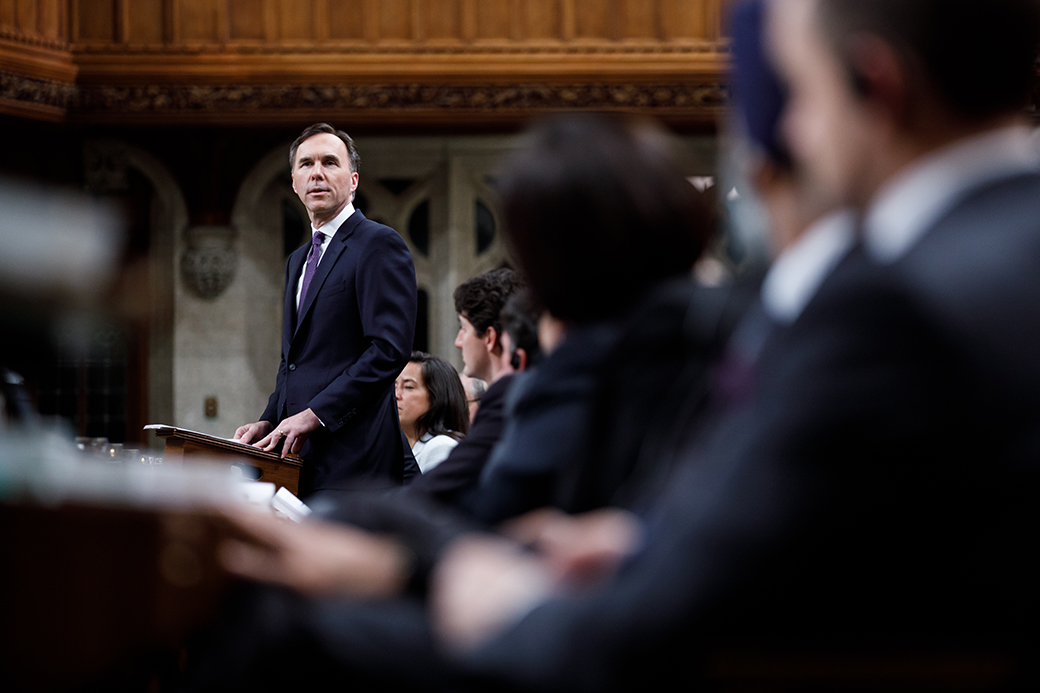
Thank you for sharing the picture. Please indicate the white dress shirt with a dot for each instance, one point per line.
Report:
(329, 230)
(799, 270)
(913, 200)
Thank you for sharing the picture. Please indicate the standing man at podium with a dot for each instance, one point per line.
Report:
(349, 320)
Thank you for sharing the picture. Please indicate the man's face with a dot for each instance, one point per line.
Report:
(476, 358)
(321, 176)
(825, 123)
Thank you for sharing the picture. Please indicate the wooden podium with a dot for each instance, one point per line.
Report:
(182, 444)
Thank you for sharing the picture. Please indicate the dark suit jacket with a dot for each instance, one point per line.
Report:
(342, 353)
(877, 494)
(590, 424)
(547, 425)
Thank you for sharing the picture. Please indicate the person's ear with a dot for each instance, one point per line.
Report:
(492, 342)
(878, 75)
(519, 360)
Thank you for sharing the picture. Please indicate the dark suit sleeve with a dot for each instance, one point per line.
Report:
(271, 412)
(386, 293)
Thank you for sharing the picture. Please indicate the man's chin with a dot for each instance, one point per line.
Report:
(321, 209)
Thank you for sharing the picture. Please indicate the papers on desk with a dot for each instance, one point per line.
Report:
(283, 503)
(167, 427)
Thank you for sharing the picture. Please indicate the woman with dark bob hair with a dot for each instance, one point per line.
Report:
(432, 407)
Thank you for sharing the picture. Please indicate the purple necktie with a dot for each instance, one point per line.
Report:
(312, 264)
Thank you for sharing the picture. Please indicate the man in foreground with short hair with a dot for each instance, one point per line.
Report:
(876, 501)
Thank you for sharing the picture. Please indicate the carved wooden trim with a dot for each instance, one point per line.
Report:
(353, 102)
(247, 46)
(263, 64)
(28, 39)
(32, 97)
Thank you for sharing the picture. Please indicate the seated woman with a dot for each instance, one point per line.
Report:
(432, 407)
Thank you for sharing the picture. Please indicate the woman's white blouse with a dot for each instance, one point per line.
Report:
(430, 450)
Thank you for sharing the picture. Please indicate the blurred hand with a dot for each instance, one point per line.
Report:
(314, 558)
(579, 549)
(296, 430)
(481, 585)
(254, 431)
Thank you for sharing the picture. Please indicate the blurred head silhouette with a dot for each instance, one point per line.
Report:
(876, 84)
(597, 210)
(759, 98)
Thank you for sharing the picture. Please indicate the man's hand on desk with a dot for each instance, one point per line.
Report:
(296, 430)
(254, 431)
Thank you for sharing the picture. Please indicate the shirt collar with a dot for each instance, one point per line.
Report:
(917, 197)
(799, 270)
(332, 227)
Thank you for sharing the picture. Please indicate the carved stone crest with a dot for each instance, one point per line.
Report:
(209, 262)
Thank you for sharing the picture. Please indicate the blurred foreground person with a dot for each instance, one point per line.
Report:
(875, 502)
(431, 405)
(606, 231)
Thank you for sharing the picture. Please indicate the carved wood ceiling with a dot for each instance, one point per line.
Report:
(403, 61)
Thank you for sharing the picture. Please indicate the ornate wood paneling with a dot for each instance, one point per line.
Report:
(242, 60)
(36, 67)
(35, 21)
(273, 22)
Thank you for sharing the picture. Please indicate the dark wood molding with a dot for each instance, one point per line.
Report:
(484, 103)
(30, 97)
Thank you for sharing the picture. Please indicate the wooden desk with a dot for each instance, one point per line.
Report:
(183, 444)
(102, 598)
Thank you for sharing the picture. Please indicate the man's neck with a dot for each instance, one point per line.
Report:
(319, 220)
(494, 374)
(907, 148)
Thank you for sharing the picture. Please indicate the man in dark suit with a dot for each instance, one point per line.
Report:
(349, 320)
(875, 502)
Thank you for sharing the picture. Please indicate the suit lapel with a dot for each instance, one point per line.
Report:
(335, 248)
(296, 261)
